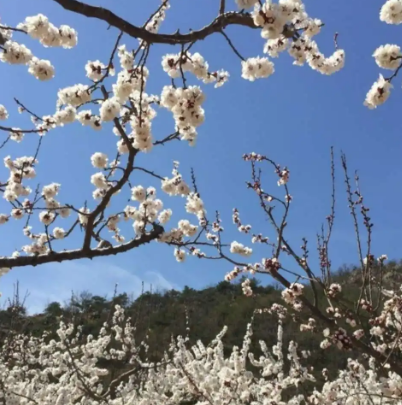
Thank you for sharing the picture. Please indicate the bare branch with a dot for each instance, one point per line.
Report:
(27, 110)
(149, 172)
(5, 141)
(222, 7)
(232, 46)
(170, 137)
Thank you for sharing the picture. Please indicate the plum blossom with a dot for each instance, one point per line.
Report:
(3, 113)
(391, 12)
(388, 56)
(41, 69)
(240, 249)
(379, 93)
(99, 160)
(257, 68)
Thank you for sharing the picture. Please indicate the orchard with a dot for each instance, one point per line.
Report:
(115, 97)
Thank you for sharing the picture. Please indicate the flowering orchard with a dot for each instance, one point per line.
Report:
(68, 370)
(115, 91)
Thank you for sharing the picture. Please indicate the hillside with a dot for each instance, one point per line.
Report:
(162, 315)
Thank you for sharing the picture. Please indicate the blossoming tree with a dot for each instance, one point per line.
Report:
(119, 96)
(131, 109)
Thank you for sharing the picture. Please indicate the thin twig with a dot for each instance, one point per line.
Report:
(170, 137)
(110, 64)
(23, 131)
(149, 172)
(232, 46)
(6, 28)
(27, 110)
(222, 7)
(5, 141)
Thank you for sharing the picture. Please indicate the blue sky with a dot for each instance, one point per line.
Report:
(294, 117)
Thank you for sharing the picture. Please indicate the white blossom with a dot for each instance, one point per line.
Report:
(95, 70)
(17, 213)
(99, 180)
(391, 12)
(46, 217)
(3, 113)
(59, 233)
(110, 109)
(388, 56)
(180, 255)
(15, 53)
(41, 69)
(240, 249)
(138, 193)
(74, 95)
(379, 93)
(257, 68)
(99, 160)
(164, 216)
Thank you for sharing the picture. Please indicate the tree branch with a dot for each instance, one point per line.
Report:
(120, 183)
(112, 19)
(149, 172)
(222, 7)
(232, 46)
(21, 131)
(21, 261)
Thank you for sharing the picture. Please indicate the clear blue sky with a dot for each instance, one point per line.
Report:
(294, 117)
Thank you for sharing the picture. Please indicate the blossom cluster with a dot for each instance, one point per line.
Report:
(391, 12)
(155, 22)
(386, 56)
(38, 27)
(236, 220)
(175, 65)
(185, 105)
(240, 249)
(290, 295)
(286, 26)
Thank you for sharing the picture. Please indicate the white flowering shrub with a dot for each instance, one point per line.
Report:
(67, 371)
